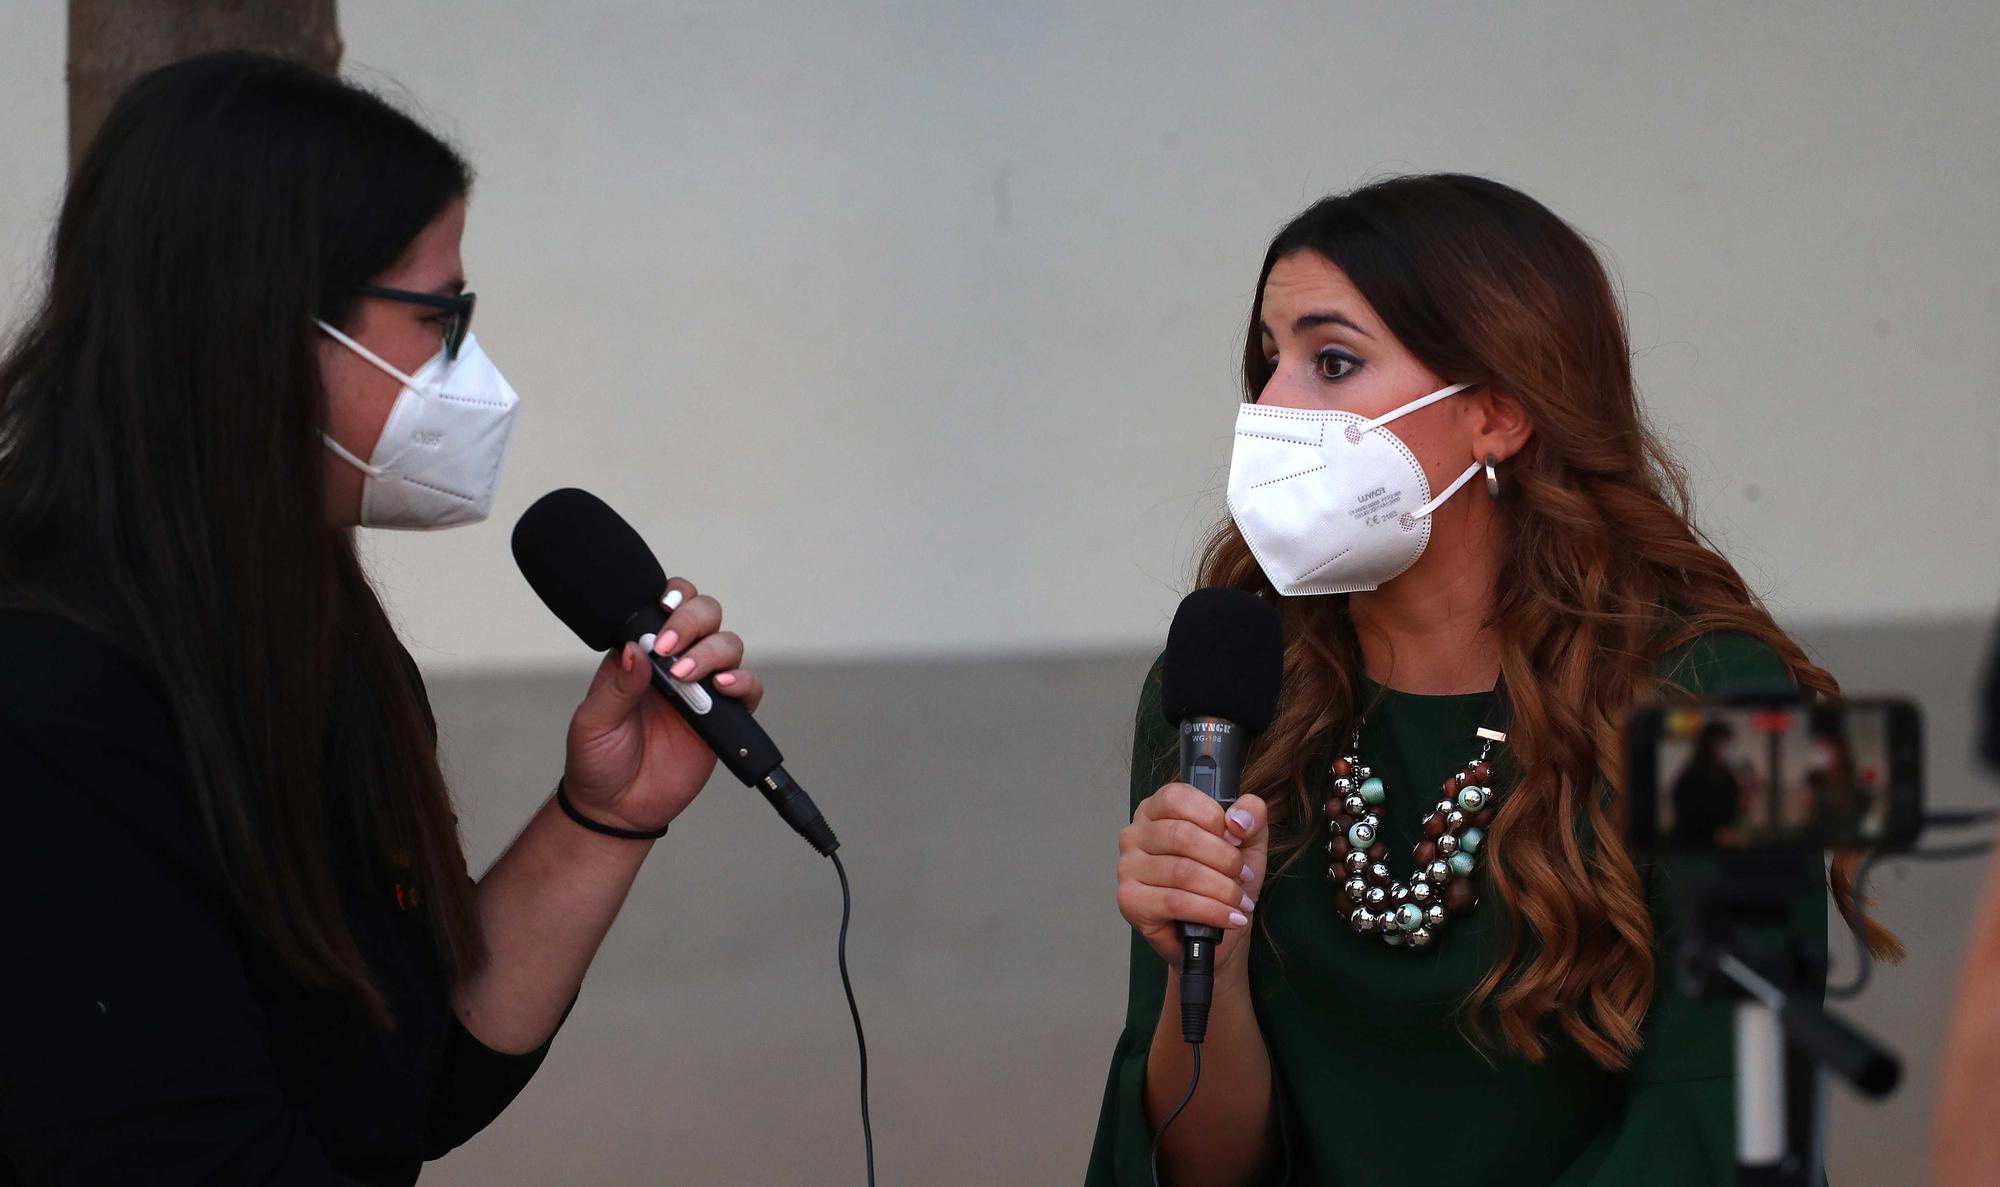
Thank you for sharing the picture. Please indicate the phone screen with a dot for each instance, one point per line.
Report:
(1776, 774)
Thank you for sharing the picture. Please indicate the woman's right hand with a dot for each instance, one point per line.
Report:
(1184, 860)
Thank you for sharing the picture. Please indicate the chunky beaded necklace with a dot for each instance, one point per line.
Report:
(1408, 913)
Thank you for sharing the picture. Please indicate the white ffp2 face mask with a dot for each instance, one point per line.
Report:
(437, 462)
(1328, 501)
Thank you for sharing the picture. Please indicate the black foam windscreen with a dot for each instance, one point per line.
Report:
(1225, 658)
(587, 564)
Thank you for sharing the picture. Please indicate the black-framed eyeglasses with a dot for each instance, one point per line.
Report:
(458, 315)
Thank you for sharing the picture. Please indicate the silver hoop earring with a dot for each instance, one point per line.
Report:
(1492, 477)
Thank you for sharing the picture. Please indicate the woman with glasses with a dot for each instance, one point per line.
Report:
(242, 944)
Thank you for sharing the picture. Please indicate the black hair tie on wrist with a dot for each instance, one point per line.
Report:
(627, 834)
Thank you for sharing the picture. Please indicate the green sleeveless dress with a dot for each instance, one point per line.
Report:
(1378, 1084)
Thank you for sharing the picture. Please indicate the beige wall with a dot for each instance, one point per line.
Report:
(912, 334)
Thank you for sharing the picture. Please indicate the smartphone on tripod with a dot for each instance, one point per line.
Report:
(1775, 772)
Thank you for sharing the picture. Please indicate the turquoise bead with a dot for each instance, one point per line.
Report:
(1372, 792)
(1461, 863)
(1409, 917)
(1468, 841)
(1360, 836)
(1472, 798)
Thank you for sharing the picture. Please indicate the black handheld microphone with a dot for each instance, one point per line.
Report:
(1219, 687)
(590, 568)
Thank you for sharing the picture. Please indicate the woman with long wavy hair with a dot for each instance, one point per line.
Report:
(242, 945)
(1441, 963)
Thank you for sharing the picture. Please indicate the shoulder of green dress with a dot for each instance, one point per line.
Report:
(1723, 661)
(1152, 737)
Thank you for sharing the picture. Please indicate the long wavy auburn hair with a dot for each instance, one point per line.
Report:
(1602, 573)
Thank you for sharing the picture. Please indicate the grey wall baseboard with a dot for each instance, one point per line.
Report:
(978, 803)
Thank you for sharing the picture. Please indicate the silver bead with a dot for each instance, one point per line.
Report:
(1362, 774)
(1422, 894)
(1357, 861)
(1399, 893)
(1435, 916)
(1343, 785)
(1379, 874)
(1375, 897)
(1421, 938)
(1438, 872)
(1446, 807)
(1447, 844)
(1355, 805)
(1385, 921)
(1454, 821)
(1363, 920)
(1355, 889)
(1394, 939)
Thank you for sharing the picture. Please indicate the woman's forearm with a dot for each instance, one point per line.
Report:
(1967, 1147)
(544, 906)
(1228, 1134)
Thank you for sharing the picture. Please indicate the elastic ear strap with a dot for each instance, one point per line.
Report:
(1412, 406)
(350, 459)
(368, 354)
(1449, 491)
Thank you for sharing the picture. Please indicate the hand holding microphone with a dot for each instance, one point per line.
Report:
(1194, 843)
(632, 761)
(1185, 859)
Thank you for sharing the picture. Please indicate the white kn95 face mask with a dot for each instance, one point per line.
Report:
(437, 462)
(1331, 502)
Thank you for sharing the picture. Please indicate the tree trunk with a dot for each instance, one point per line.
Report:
(112, 42)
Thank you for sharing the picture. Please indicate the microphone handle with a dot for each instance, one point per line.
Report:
(1211, 760)
(739, 742)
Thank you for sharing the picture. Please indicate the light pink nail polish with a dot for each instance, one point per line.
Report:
(682, 669)
(1247, 905)
(1238, 919)
(1248, 875)
(725, 680)
(666, 642)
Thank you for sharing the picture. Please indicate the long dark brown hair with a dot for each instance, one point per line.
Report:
(1603, 572)
(161, 480)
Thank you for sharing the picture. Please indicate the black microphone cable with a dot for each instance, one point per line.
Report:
(860, 1039)
(1194, 1081)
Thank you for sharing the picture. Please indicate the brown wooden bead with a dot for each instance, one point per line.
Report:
(1341, 823)
(1378, 852)
(1451, 787)
(1347, 905)
(1481, 772)
(1459, 896)
(1340, 847)
(1342, 768)
(1482, 819)
(1434, 826)
(1427, 852)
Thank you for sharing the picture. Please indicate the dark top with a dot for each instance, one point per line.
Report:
(144, 1036)
(1378, 1084)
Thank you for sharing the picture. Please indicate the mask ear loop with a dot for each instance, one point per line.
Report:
(1449, 491)
(1355, 432)
(384, 366)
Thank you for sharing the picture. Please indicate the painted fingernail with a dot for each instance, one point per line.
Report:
(1248, 875)
(1238, 919)
(666, 643)
(1240, 819)
(725, 680)
(1247, 905)
(682, 669)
